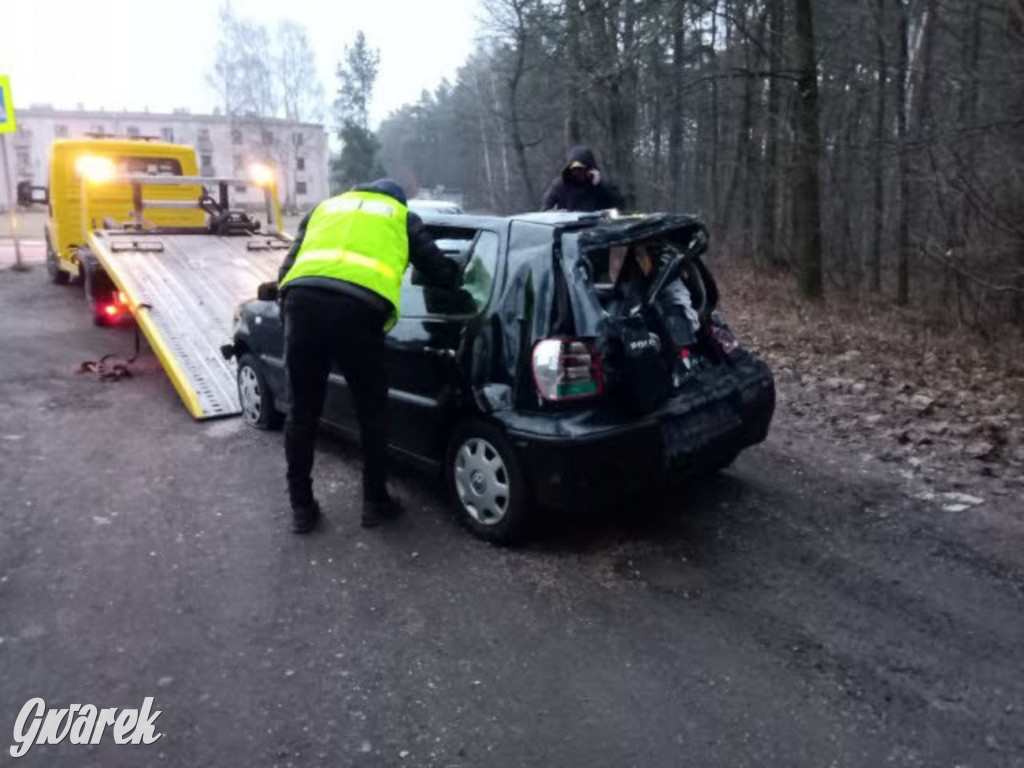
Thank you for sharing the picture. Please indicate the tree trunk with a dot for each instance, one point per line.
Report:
(806, 184)
(574, 98)
(875, 255)
(713, 171)
(903, 242)
(770, 212)
(675, 128)
(518, 146)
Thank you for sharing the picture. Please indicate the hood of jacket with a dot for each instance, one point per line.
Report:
(579, 154)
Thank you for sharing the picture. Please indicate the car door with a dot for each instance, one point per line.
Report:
(422, 351)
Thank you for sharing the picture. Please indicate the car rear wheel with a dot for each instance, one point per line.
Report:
(487, 484)
(724, 463)
(255, 396)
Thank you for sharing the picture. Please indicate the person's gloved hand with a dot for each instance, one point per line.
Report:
(595, 176)
(268, 291)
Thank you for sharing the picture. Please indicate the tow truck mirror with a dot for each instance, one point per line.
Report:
(29, 194)
(268, 292)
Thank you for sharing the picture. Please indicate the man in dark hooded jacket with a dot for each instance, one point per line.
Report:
(580, 186)
(340, 289)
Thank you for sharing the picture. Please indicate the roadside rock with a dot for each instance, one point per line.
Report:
(922, 404)
(981, 450)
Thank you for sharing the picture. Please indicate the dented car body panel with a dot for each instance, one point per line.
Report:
(451, 361)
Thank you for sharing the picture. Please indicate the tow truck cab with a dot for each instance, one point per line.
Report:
(71, 160)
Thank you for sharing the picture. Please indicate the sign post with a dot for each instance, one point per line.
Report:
(8, 124)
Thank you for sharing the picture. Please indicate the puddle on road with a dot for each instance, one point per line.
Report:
(670, 572)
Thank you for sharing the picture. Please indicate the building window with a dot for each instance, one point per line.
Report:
(96, 128)
(24, 160)
(298, 138)
(60, 131)
(240, 188)
(300, 164)
(167, 134)
(206, 165)
(300, 188)
(239, 165)
(268, 137)
(236, 136)
(204, 134)
(133, 131)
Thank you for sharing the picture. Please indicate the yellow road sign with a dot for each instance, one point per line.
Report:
(7, 121)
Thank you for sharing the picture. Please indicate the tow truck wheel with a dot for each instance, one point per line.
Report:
(99, 290)
(255, 397)
(57, 275)
(487, 484)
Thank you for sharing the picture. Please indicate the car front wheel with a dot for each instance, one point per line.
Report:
(255, 397)
(487, 484)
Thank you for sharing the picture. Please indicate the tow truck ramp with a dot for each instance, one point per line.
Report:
(183, 290)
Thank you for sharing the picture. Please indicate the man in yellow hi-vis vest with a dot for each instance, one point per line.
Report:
(340, 287)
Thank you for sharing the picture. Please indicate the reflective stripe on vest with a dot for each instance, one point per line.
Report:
(337, 254)
(358, 237)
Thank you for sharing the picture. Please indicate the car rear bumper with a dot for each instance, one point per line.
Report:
(587, 457)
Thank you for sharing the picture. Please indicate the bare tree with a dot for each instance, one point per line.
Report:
(302, 95)
(242, 74)
(806, 141)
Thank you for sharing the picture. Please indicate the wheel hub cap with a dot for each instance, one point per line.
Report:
(482, 481)
(249, 394)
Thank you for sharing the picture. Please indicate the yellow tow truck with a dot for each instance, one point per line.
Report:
(132, 221)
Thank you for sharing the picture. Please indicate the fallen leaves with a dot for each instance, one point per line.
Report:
(883, 378)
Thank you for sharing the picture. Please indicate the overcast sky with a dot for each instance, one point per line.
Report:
(120, 54)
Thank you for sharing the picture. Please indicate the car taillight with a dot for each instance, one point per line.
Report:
(725, 338)
(566, 369)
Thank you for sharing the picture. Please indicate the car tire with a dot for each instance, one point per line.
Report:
(487, 484)
(255, 397)
(57, 275)
(723, 464)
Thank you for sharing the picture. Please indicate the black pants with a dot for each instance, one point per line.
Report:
(320, 328)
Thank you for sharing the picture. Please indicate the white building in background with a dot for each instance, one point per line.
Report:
(225, 147)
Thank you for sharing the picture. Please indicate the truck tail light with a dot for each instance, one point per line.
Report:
(566, 369)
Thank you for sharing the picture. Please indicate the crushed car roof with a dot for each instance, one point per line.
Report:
(636, 224)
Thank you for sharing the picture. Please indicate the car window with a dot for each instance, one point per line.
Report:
(477, 283)
(150, 166)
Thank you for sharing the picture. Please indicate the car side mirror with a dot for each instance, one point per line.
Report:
(268, 292)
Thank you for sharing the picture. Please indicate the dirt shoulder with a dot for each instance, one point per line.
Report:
(945, 408)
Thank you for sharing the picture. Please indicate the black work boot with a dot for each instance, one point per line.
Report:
(304, 517)
(377, 511)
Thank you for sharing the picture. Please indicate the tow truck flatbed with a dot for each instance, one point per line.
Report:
(183, 290)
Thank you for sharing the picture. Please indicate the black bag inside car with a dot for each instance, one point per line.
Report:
(643, 379)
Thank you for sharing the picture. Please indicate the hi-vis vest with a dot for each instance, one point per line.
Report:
(359, 237)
